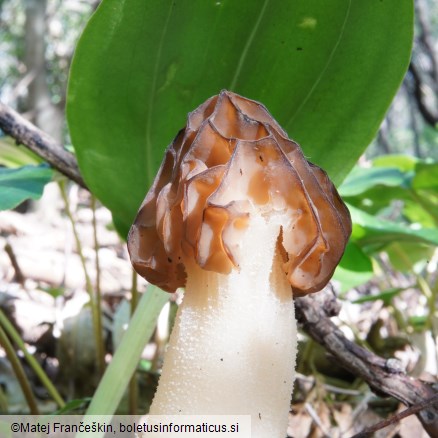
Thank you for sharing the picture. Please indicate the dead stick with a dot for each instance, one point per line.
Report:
(383, 376)
(39, 142)
(396, 418)
(19, 277)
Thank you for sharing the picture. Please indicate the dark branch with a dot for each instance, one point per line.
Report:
(43, 145)
(383, 376)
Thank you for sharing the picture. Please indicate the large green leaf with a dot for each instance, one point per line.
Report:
(327, 71)
(27, 182)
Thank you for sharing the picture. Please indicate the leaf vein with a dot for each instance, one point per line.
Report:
(321, 75)
(247, 46)
(149, 163)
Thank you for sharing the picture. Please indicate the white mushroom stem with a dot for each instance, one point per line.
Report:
(232, 350)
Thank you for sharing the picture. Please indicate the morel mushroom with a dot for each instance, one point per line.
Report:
(239, 217)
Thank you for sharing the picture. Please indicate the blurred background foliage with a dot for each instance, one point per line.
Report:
(387, 279)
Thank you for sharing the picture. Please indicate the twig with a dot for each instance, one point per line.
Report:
(382, 376)
(315, 417)
(397, 417)
(97, 327)
(19, 277)
(98, 294)
(43, 145)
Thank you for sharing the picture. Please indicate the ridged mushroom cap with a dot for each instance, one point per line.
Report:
(233, 160)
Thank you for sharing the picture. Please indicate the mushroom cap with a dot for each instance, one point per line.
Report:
(233, 160)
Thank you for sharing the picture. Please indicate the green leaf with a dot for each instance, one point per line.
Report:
(404, 163)
(379, 199)
(419, 323)
(386, 296)
(12, 155)
(354, 269)
(27, 182)
(425, 192)
(118, 374)
(55, 292)
(395, 177)
(362, 179)
(415, 213)
(374, 189)
(426, 176)
(327, 71)
(73, 406)
(369, 230)
(409, 256)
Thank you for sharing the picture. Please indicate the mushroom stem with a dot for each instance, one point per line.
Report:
(232, 350)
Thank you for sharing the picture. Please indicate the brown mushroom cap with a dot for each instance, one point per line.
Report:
(233, 160)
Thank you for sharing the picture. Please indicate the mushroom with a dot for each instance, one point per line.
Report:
(244, 222)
